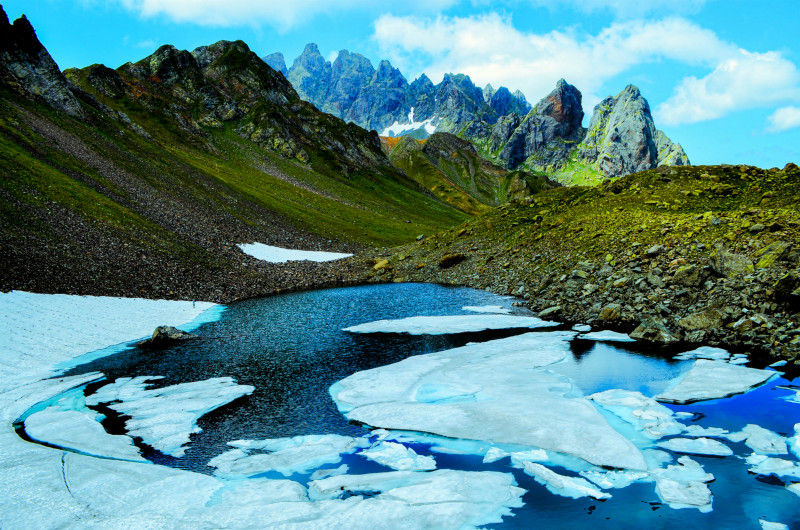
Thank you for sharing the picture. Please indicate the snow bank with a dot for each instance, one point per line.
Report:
(410, 125)
(40, 330)
(712, 380)
(442, 325)
(495, 392)
(165, 418)
(282, 255)
(496, 309)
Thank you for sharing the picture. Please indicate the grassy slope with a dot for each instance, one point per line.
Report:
(532, 248)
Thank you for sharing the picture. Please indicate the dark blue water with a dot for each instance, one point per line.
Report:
(291, 349)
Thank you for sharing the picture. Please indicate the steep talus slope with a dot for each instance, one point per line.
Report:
(147, 178)
(699, 255)
(452, 169)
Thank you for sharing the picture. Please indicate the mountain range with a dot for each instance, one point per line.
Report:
(548, 138)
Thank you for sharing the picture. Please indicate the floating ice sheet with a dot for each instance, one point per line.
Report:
(712, 380)
(442, 325)
(766, 465)
(398, 456)
(81, 431)
(299, 454)
(769, 525)
(644, 413)
(683, 485)
(495, 309)
(705, 352)
(282, 255)
(165, 418)
(761, 440)
(494, 391)
(696, 446)
(606, 336)
(574, 487)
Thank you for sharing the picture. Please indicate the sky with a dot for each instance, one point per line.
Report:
(722, 76)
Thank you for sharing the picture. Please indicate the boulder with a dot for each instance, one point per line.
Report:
(166, 336)
(726, 263)
(711, 318)
(610, 313)
(689, 276)
(449, 260)
(654, 329)
(787, 290)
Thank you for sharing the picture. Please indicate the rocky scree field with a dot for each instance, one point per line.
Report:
(705, 255)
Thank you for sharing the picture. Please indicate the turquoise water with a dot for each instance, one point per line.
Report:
(291, 349)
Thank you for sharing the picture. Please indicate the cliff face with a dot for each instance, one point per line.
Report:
(621, 138)
(27, 68)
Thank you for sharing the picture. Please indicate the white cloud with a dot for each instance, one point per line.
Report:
(745, 80)
(491, 50)
(280, 13)
(784, 119)
(628, 8)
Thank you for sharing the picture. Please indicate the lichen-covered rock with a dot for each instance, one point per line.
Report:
(622, 137)
(166, 336)
(654, 329)
(726, 263)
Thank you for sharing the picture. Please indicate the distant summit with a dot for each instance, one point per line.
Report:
(382, 98)
(548, 138)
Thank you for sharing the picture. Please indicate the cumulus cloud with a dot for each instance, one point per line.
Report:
(783, 119)
(628, 8)
(491, 50)
(279, 13)
(745, 80)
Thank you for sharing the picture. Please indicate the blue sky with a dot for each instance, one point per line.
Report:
(722, 76)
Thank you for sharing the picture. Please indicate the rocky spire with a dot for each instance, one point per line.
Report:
(310, 75)
(27, 68)
(276, 62)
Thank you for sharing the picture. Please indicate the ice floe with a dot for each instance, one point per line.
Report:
(444, 498)
(705, 352)
(582, 328)
(330, 472)
(644, 413)
(793, 442)
(287, 456)
(494, 454)
(81, 431)
(494, 391)
(712, 380)
(769, 525)
(709, 432)
(766, 465)
(615, 479)
(683, 485)
(606, 336)
(760, 440)
(165, 418)
(574, 487)
(398, 456)
(496, 309)
(282, 255)
(696, 446)
(442, 325)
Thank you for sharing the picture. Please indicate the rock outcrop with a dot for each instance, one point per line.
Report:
(27, 67)
(623, 139)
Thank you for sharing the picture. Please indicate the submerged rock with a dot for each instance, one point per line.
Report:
(166, 336)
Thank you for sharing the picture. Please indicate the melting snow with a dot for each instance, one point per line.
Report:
(399, 129)
(443, 325)
(282, 255)
(712, 380)
(500, 310)
(697, 446)
(399, 457)
(470, 393)
(165, 418)
(606, 336)
(574, 487)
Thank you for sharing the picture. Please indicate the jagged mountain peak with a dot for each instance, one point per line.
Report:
(564, 105)
(277, 62)
(27, 67)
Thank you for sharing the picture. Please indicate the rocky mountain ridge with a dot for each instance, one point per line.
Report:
(382, 98)
(548, 138)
